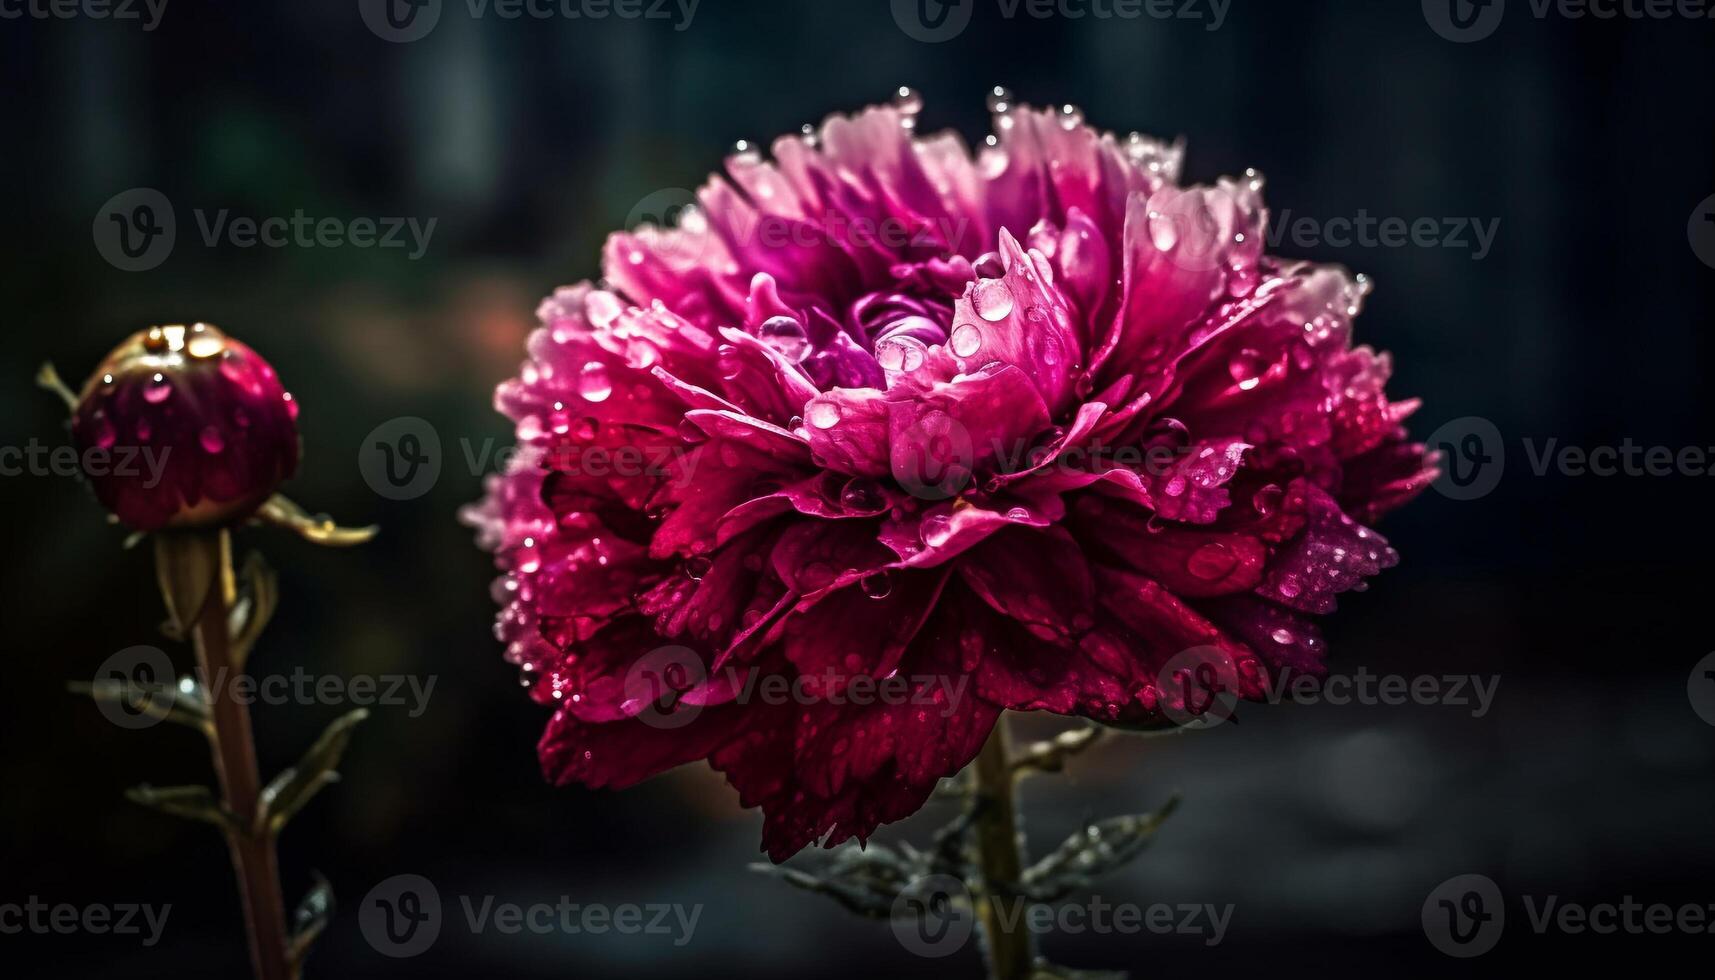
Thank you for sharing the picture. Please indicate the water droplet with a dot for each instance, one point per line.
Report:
(1282, 636)
(1267, 500)
(1247, 368)
(877, 585)
(144, 430)
(862, 493)
(291, 404)
(786, 335)
(900, 353)
(1289, 586)
(908, 100)
(816, 575)
(967, 339)
(697, 567)
(157, 389)
(593, 383)
(992, 299)
(105, 437)
(1070, 116)
(211, 439)
(823, 414)
(1000, 99)
(937, 530)
(1212, 562)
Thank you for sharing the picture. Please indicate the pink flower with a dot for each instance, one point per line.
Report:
(1014, 431)
(185, 427)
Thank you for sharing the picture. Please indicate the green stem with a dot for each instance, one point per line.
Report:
(1010, 951)
(249, 839)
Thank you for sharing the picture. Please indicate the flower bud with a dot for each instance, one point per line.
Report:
(185, 427)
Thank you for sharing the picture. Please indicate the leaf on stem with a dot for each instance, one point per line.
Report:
(281, 511)
(191, 802)
(310, 918)
(288, 792)
(258, 597)
(1099, 848)
(49, 379)
(181, 702)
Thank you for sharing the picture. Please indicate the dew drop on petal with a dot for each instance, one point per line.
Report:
(211, 439)
(697, 567)
(1247, 367)
(1281, 636)
(877, 585)
(157, 389)
(967, 339)
(593, 383)
(786, 335)
(824, 414)
(1212, 562)
(900, 353)
(862, 493)
(937, 530)
(993, 300)
(291, 404)
(105, 437)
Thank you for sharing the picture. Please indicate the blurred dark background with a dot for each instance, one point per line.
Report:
(1590, 141)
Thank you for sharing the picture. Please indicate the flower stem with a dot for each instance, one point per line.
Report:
(209, 555)
(1007, 941)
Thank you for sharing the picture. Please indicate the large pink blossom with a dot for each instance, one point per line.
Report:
(1005, 431)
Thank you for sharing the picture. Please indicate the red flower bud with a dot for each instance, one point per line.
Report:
(185, 427)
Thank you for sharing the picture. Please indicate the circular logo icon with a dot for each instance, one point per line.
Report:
(401, 916)
(135, 230)
(136, 687)
(401, 459)
(932, 917)
(1463, 917)
(1464, 21)
(655, 687)
(1701, 689)
(673, 209)
(935, 458)
(1197, 687)
(400, 21)
(1473, 457)
(1702, 231)
(933, 21)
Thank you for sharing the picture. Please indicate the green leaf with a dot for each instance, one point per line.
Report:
(281, 511)
(182, 702)
(288, 792)
(310, 918)
(257, 600)
(191, 802)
